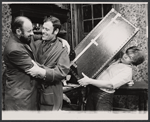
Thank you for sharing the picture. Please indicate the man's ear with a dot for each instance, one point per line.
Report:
(18, 31)
(56, 31)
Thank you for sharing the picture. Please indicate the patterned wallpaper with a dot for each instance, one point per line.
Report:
(6, 26)
(137, 15)
(6, 23)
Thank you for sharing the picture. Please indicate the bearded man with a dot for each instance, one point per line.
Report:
(21, 88)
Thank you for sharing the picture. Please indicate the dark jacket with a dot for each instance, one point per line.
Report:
(55, 60)
(20, 89)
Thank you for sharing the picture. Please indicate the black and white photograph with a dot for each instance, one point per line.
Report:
(74, 61)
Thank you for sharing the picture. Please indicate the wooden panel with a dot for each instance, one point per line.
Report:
(99, 47)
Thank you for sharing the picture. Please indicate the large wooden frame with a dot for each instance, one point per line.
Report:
(100, 46)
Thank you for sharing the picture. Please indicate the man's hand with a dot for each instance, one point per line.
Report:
(84, 81)
(36, 71)
(65, 43)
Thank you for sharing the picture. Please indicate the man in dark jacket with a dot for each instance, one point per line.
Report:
(21, 88)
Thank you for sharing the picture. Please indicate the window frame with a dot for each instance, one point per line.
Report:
(92, 18)
(77, 31)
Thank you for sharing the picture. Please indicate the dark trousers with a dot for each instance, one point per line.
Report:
(99, 100)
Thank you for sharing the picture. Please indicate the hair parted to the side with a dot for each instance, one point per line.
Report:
(138, 57)
(56, 22)
(18, 23)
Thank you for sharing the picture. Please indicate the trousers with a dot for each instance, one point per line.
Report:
(99, 100)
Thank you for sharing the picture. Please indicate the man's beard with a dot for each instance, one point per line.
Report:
(25, 40)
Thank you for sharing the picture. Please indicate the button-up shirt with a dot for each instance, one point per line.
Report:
(118, 74)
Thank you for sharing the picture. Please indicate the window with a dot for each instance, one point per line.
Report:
(93, 14)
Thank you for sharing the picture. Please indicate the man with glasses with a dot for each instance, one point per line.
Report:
(116, 75)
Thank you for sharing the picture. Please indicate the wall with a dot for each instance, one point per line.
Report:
(6, 26)
(6, 20)
(137, 15)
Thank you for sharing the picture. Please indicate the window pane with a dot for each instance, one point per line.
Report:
(87, 26)
(97, 10)
(107, 8)
(87, 13)
(96, 22)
